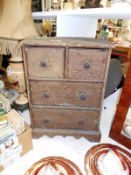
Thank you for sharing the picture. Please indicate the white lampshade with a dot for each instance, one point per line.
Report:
(16, 19)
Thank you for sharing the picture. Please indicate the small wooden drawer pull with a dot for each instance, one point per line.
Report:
(86, 65)
(81, 122)
(46, 94)
(44, 63)
(46, 121)
(83, 96)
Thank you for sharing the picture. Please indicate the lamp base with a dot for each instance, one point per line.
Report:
(20, 103)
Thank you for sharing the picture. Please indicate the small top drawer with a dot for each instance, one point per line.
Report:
(45, 62)
(87, 64)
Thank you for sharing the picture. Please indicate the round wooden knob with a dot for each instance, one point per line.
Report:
(83, 96)
(86, 65)
(46, 121)
(46, 95)
(44, 63)
(81, 122)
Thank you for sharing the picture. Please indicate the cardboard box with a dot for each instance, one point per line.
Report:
(25, 140)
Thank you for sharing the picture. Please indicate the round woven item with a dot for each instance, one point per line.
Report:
(93, 156)
(54, 165)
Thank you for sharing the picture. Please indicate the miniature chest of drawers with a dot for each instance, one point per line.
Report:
(65, 82)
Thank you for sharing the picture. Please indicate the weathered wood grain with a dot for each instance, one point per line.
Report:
(66, 81)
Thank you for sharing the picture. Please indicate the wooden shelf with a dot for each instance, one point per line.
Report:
(82, 22)
(116, 13)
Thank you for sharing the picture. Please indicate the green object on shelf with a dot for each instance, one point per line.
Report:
(2, 111)
(104, 34)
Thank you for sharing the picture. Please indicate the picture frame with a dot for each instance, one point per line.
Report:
(124, 105)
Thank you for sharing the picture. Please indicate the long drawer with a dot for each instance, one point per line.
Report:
(65, 118)
(60, 93)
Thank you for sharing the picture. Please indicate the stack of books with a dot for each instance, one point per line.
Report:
(16, 121)
(3, 119)
(11, 125)
(10, 148)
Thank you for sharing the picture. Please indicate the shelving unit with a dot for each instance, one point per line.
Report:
(82, 22)
(124, 13)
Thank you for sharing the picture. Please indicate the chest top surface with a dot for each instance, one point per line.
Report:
(71, 42)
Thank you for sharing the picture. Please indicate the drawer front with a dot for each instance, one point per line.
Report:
(45, 62)
(66, 93)
(65, 118)
(87, 64)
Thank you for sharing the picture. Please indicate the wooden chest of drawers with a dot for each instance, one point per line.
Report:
(65, 82)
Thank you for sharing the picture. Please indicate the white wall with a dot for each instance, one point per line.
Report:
(76, 26)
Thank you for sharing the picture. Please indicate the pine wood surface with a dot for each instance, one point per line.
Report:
(66, 82)
(60, 93)
(60, 118)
